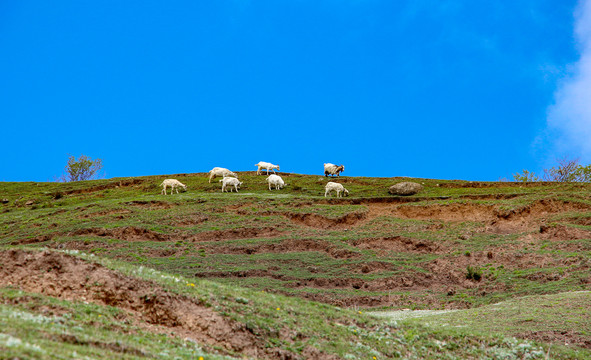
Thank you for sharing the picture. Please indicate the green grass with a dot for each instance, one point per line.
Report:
(34, 326)
(74, 329)
(61, 212)
(563, 313)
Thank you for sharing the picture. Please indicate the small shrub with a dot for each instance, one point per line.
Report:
(473, 273)
(526, 176)
(83, 168)
(568, 170)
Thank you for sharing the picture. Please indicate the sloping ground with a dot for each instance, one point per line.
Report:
(70, 278)
(457, 245)
(561, 318)
(380, 252)
(154, 307)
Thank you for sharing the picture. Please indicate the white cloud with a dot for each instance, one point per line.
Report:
(569, 118)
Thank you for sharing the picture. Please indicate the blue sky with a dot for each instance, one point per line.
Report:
(458, 89)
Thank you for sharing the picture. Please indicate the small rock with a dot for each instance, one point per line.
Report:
(405, 188)
(5, 201)
(29, 203)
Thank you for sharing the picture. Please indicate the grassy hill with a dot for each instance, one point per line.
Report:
(230, 259)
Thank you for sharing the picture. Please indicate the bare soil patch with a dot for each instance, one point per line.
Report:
(127, 233)
(287, 246)
(132, 233)
(233, 234)
(561, 233)
(499, 220)
(323, 222)
(398, 244)
(70, 278)
(113, 185)
(153, 204)
(564, 337)
(105, 213)
(192, 220)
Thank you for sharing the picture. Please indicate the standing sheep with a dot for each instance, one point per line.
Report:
(218, 171)
(332, 169)
(229, 182)
(276, 181)
(174, 184)
(266, 165)
(338, 188)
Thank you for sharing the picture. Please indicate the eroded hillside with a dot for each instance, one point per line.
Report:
(455, 245)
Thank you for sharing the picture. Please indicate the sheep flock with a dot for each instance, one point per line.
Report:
(230, 179)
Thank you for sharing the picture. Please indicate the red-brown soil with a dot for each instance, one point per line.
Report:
(122, 183)
(538, 212)
(561, 337)
(71, 278)
(398, 244)
(498, 220)
(285, 246)
(131, 233)
(323, 222)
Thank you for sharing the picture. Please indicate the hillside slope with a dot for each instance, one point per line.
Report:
(455, 245)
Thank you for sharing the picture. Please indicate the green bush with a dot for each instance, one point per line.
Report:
(83, 168)
(568, 170)
(473, 273)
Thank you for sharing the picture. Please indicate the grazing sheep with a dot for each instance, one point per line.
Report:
(229, 182)
(332, 169)
(266, 165)
(174, 184)
(218, 171)
(333, 186)
(276, 181)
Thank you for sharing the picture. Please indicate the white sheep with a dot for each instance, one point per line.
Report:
(174, 184)
(218, 171)
(333, 186)
(266, 165)
(276, 181)
(229, 182)
(332, 169)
